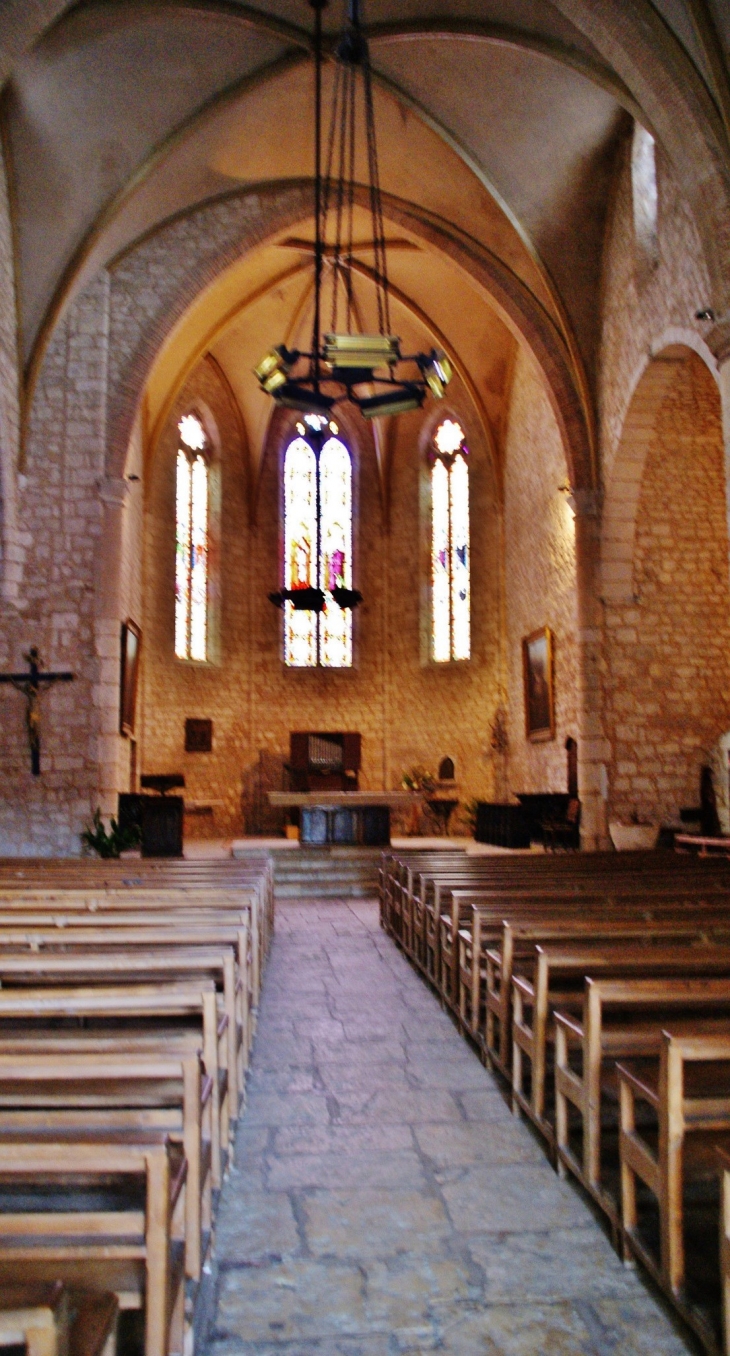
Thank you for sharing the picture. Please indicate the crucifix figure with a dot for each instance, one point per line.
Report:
(30, 684)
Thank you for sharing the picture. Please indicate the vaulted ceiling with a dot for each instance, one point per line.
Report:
(499, 118)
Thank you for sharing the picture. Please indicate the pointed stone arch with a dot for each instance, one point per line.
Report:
(624, 485)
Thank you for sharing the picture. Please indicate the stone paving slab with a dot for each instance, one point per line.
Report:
(384, 1200)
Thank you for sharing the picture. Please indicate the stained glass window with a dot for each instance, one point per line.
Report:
(300, 548)
(318, 493)
(191, 542)
(450, 567)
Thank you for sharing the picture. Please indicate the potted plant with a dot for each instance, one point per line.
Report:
(96, 839)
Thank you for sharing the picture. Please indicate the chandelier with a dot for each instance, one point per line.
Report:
(364, 369)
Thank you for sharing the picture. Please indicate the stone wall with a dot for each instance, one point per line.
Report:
(408, 711)
(668, 649)
(60, 519)
(643, 309)
(11, 546)
(540, 576)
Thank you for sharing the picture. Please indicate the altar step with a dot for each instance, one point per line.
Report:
(326, 873)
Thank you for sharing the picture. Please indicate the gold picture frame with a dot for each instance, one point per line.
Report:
(129, 676)
(537, 671)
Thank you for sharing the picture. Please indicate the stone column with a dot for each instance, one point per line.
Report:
(593, 747)
(114, 493)
(719, 341)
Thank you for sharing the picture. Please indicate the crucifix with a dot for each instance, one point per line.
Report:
(31, 685)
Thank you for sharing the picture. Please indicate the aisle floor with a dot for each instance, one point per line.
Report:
(384, 1199)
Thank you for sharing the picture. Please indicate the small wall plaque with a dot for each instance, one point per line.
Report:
(198, 735)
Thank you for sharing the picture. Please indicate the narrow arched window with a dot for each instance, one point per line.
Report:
(645, 197)
(191, 541)
(317, 544)
(450, 567)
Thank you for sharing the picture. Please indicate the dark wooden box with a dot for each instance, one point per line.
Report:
(503, 825)
(160, 819)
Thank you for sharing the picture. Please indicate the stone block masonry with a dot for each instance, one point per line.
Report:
(407, 709)
(668, 650)
(60, 517)
(540, 577)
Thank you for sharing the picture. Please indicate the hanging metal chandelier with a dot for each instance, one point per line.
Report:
(364, 369)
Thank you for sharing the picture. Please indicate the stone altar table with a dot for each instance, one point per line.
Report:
(349, 818)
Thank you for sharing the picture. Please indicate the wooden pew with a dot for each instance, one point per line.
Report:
(723, 1160)
(561, 968)
(89, 935)
(622, 1018)
(518, 935)
(30, 1013)
(36, 1318)
(133, 1252)
(72, 907)
(200, 938)
(44, 1089)
(450, 908)
(688, 1089)
(177, 964)
(468, 909)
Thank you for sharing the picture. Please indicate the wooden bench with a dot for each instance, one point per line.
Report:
(688, 1089)
(90, 935)
(621, 1018)
(518, 935)
(598, 898)
(50, 1320)
(175, 964)
(30, 1013)
(130, 1251)
(47, 1089)
(558, 968)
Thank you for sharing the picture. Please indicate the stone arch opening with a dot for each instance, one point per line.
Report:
(666, 591)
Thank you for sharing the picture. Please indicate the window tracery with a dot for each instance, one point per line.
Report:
(317, 526)
(450, 563)
(191, 541)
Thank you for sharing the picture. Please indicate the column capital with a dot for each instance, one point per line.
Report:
(114, 491)
(584, 503)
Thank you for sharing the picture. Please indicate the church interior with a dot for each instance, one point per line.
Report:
(364, 677)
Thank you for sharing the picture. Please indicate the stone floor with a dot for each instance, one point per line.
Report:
(384, 1199)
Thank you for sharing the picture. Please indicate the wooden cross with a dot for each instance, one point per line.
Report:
(30, 684)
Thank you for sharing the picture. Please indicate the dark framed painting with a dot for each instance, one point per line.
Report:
(198, 735)
(131, 643)
(537, 669)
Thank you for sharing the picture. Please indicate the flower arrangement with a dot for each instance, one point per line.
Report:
(418, 779)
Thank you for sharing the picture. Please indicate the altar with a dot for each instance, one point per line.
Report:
(349, 818)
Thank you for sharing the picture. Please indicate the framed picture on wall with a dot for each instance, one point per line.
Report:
(537, 669)
(131, 642)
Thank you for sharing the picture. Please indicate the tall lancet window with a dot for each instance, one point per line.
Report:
(191, 541)
(450, 567)
(317, 526)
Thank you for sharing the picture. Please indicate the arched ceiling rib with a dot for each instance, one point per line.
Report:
(127, 112)
(140, 138)
(273, 298)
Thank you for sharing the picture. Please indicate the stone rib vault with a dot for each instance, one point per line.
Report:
(384, 1199)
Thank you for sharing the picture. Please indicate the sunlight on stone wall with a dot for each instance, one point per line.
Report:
(540, 578)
